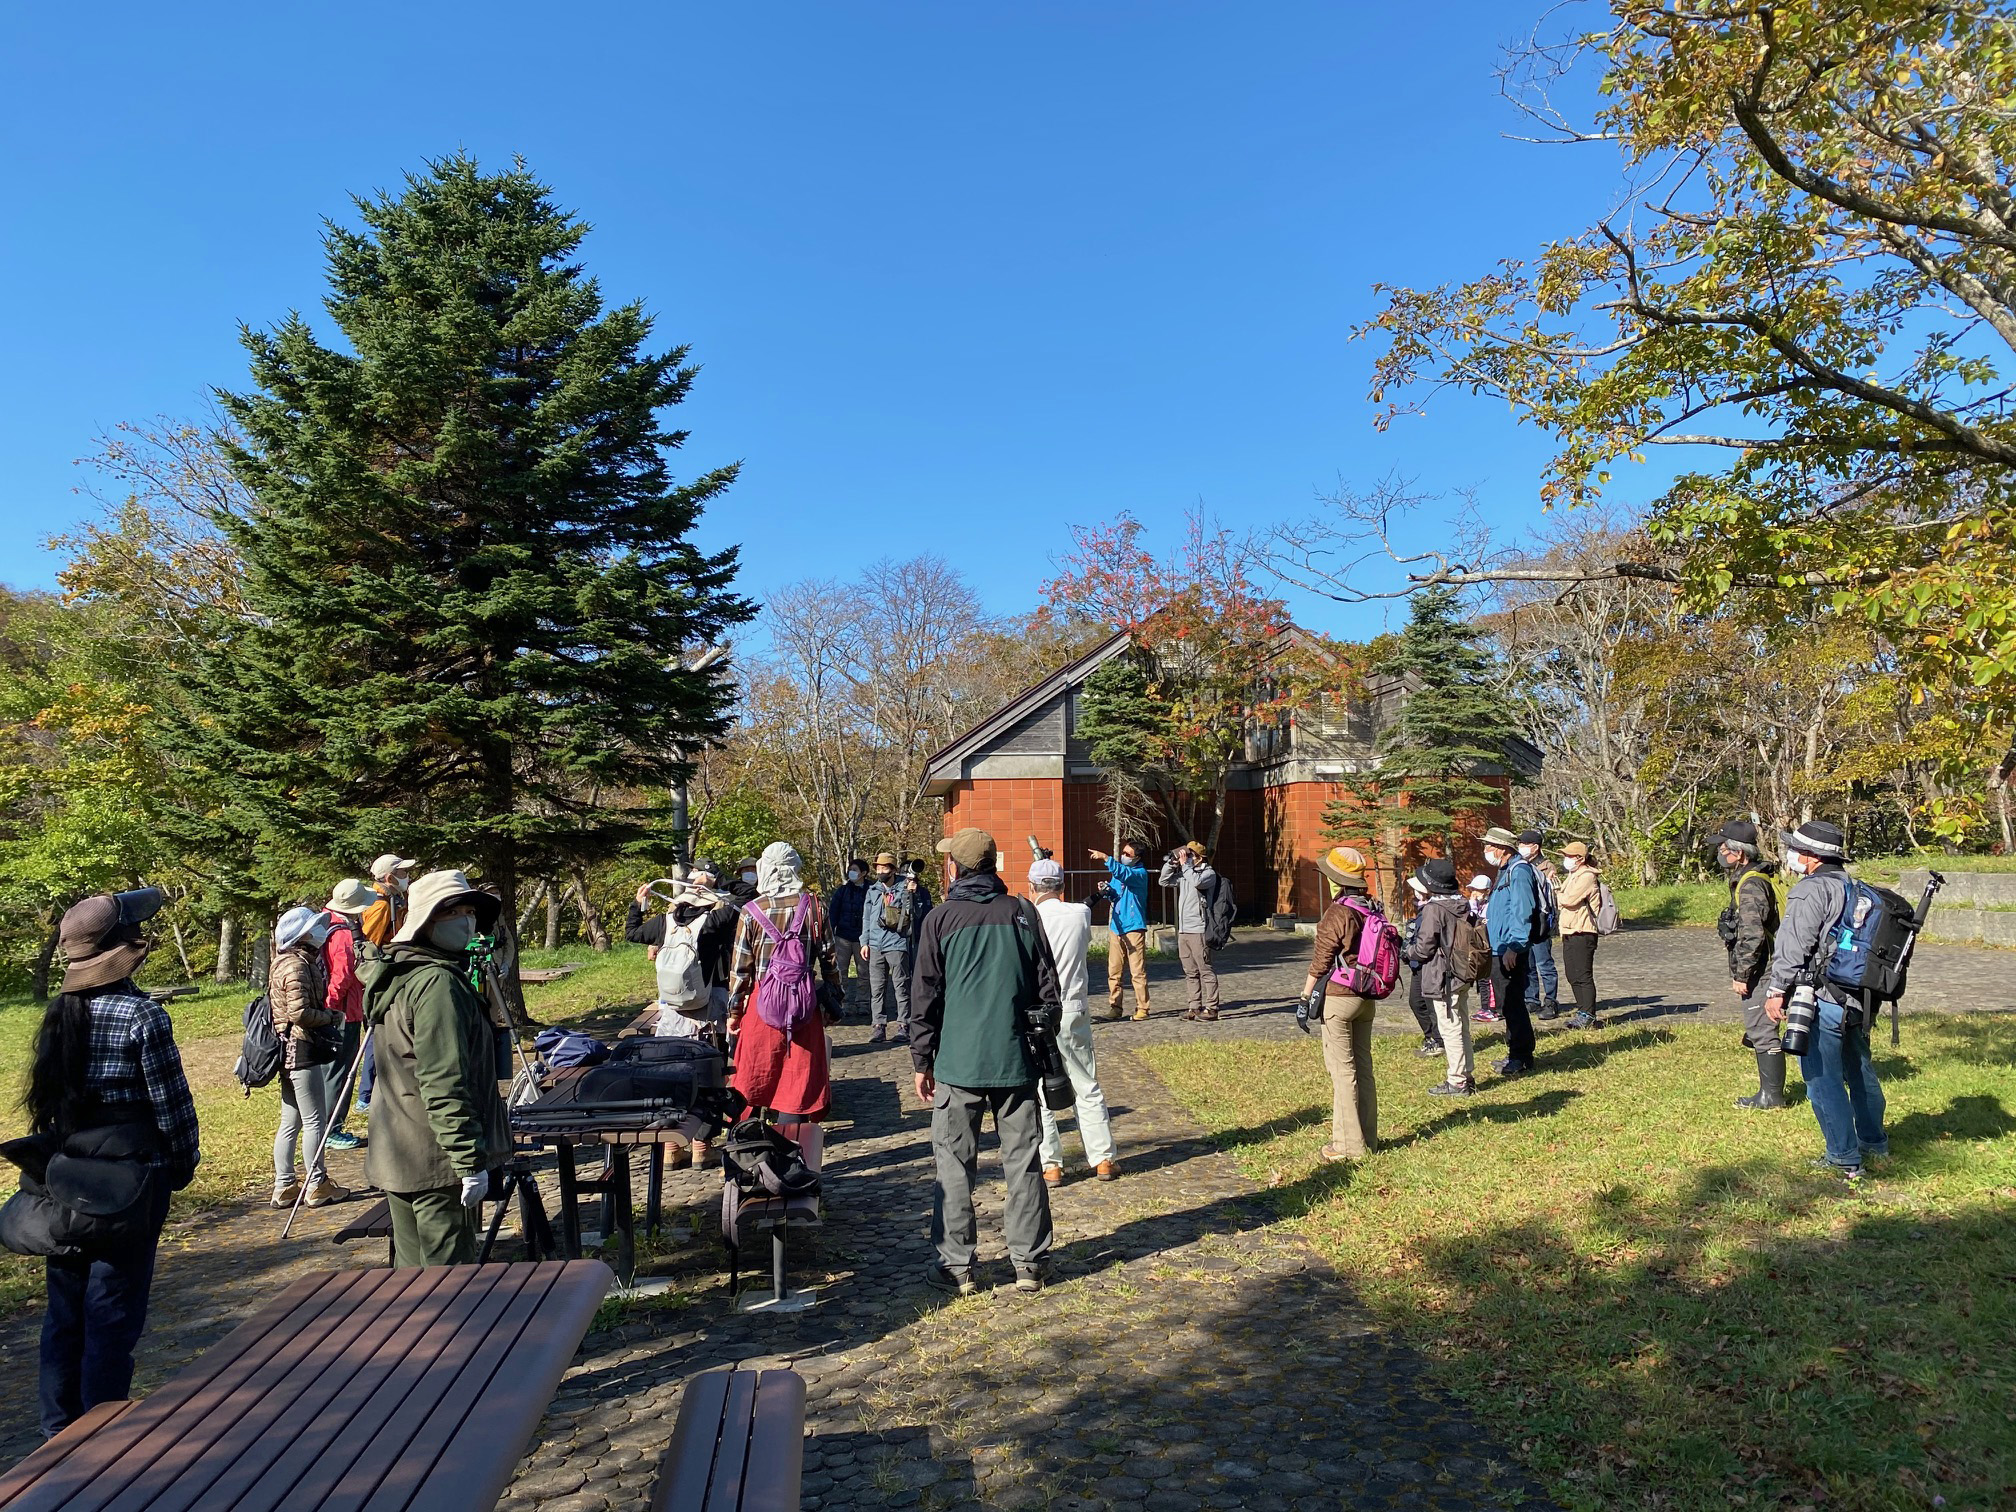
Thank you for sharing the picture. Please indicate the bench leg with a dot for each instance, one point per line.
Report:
(570, 1201)
(654, 1191)
(779, 1299)
(626, 1220)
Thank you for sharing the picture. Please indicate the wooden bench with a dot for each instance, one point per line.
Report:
(375, 1222)
(739, 1443)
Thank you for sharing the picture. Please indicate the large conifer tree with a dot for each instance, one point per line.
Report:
(468, 568)
(1454, 724)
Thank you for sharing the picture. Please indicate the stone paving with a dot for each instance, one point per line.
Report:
(1191, 1354)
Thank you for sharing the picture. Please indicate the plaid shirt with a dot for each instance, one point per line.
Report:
(753, 946)
(135, 1070)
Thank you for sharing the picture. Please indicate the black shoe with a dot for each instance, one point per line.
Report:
(878, 1036)
(1452, 1089)
(1583, 1021)
(1546, 1015)
(1428, 1047)
(960, 1282)
(1511, 1067)
(1029, 1278)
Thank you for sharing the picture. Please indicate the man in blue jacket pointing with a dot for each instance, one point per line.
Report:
(1513, 919)
(1127, 950)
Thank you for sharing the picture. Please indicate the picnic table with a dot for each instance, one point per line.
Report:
(375, 1390)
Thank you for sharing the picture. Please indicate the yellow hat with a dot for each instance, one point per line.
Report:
(1345, 867)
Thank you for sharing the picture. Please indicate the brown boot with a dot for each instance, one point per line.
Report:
(286, 1193)
(1107, 1171)
(1053, 1176)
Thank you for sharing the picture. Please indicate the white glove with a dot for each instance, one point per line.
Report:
(475, 1189)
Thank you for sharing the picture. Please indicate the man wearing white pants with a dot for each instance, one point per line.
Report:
(1068, 927)
(1437, 957)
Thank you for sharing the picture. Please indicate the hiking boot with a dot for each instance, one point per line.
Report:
(1140, 1015)
(342, 1139)
(1583, 1020)
(1111, 1016)
(878, 1036)
(1053, 1176)
(1192, 1015)
(1029, 1278)
(325, 1191)
(1106, 1171)
(1452, 1089)
(1511, 1067)
(1546, 1015)
(1428, 1047)
(286, 1193)
(705, 1156)
(1770, 1091)
(960, 1281)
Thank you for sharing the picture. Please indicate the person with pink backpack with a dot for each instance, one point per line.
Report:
(783, 990)
(1357, 962)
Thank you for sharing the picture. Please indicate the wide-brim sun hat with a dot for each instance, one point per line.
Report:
(350, 896)
(1501, 837)
(100, 937)
(298, 924)
(1344, 865)
(438, 890)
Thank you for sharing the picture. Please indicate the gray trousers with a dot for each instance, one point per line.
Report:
(304, 1112)
(888, 974)
(1199, 975)
(853, 971)
(1757, 1025)
(955, 1145)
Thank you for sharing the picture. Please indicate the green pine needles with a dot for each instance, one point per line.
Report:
(1453, 725)
(468, 568)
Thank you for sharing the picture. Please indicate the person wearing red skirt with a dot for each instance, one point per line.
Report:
(786, 1071)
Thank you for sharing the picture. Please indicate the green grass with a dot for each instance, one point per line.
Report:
(1672, 903)
(1649, 1294)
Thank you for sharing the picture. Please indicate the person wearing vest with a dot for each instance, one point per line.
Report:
(1840, 1077)
(983, 968)
(311, 1036)
(345, 910)
(439, 1129)
(105, 1061)
(889, 918)
(1347, 1017)
(1514, 921)
(1748, 927)
(784, 1069)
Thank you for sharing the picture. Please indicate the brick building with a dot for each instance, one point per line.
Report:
(1023, 771)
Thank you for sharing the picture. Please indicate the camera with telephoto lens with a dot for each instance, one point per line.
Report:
(1040, 1023)
(1802, 1012)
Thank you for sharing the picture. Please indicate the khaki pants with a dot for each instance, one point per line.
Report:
(1456, 1047)
(1347, 1056)
(1124, 953)
(1198, 974)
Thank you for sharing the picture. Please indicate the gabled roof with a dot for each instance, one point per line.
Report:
(945, 764)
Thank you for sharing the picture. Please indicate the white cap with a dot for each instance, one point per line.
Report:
(1480, 880)
(1045, 872)
(389, 863)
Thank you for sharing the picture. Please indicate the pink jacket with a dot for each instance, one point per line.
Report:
(346, 993)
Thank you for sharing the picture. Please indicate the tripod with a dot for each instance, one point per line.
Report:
(517, 1181)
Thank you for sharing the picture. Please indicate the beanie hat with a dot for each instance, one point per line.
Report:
(1345, 867)
(1816, 837)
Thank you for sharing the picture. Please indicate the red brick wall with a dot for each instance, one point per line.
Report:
(1010, 809)
(1293, 838)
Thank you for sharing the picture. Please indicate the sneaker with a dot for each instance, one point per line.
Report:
(1029, 1278)
(1452, 1089)
(878, 1036)
(900, 1037)
(1053, 1176)
(362, 1107)
(1428, 1047)
(343, 1139)
(959, 1281)
(1511, 1067)
(1106, 1171)
(1850, 1174)
(1487, 1016)
(286, 1194)
(325, 1191)
(1583, 1020)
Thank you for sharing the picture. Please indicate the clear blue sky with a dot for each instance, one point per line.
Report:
(958, 275)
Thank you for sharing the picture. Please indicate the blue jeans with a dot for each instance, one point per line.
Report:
(97, 1310)
(1541, 982)
(1841, 1084)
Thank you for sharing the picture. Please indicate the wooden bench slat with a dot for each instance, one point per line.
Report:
(119, 1455)
(776, 1442)
(54, 1451)
(467, 1460)
(689, 1459)
(375, 1222)
(731, 1458)
(246, 1454)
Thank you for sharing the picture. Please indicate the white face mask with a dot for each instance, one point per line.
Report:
(1529, 851)
(1793, 865)
(1571, 862)
(453, 935)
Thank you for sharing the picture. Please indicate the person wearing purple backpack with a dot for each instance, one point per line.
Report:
(1347, 1017)
(777, 1014)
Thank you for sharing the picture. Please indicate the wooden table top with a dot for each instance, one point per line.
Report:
(361, 1390)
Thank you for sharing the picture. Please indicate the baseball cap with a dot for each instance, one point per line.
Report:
(1045, 873)
(970, 849)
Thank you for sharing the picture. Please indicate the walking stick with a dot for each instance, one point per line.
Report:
(328, 1125)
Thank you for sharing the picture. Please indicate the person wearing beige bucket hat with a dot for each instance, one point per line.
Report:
(1347, 1017)
(105, 1062)
(438, 1127)
(345, 911)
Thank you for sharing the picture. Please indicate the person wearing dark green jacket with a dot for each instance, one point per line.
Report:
(438, 1125)
(983, 964)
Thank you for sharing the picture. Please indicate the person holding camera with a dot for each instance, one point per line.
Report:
(1187, 869)
(439, 1129)
(985, 982)
(1748, 928)
(1068, 928)
(1840, 1077)
(1126, 928)
(888, 928)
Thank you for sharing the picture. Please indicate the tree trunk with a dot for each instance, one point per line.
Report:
(552, 916)
(531, 907)
(44, 962)
(182, 950)
(227, 948)
(262, 959)
(591, 917)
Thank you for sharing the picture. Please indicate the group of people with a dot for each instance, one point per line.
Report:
(1203, 910)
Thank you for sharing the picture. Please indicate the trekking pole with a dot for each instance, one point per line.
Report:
(328, 1126)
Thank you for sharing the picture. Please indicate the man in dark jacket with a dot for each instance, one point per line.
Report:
(983, 966)
(1749, 928)
(1436, 957)
(844, 911)
(438, 1127)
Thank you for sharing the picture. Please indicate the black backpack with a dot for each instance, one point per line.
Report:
(260, 1057)
(1221, 910)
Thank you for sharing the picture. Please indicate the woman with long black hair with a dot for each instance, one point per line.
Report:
(106, 1080)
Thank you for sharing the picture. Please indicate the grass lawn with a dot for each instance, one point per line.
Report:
(1649, 1294)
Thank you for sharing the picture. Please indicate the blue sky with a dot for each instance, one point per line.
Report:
(958, 275)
